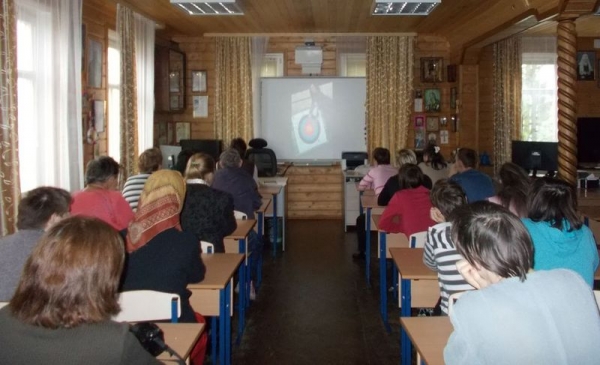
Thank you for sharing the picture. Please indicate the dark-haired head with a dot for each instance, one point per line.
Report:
(554, 201)
(39, 205)
(381, 156)
(515, 188)
(71, 276)
(182, 160)
(467, 157)
(488, 235)
(101, 170)
(239, 145)
(410, 176)
(432, 155)
(446, 196)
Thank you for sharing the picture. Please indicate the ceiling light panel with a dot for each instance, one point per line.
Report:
(199, 7)
(404, 7)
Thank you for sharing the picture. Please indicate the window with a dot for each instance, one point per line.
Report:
(114, 101)
(353, 65)
(539, 110)
(272, 65)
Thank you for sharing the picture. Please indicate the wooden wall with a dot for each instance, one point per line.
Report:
(485, 136)
(434, 46)
(315, 192)
(588, 92)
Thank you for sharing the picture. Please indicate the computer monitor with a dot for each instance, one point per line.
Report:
(534, 156)
(208, 146)
(169, 154)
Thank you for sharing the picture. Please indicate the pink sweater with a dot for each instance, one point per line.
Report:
(377, 177)
(107, 205)
(407, 212)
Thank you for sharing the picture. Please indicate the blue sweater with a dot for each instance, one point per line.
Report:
(553, 248)
(551, 318)
(476, 184)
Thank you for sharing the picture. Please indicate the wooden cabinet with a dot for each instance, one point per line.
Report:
(169, 81)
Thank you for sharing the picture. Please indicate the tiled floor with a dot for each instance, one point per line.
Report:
(314, 306)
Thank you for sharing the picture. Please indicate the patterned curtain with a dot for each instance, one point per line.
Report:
(507, 98)
(389, 88)
(129, 130)
(233, 104)
(9, 167)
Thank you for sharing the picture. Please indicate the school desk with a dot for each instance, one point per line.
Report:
(213, 297)
(429, 335)
(274, 190)
(369, 202)
(181, 337)
(418, 287)
(238, 242)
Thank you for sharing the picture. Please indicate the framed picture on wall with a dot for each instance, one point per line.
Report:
(433, 123)
(99, 115)
(432, 69)
(453, 93)
(95, 56)
(433, 100)
(199, 81)
(419, 138)
(586, 62)
(419, 120)
(200, 107)
(182, 131)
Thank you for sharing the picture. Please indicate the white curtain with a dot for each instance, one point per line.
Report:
(49, 93)
(259, 49)
(144, 63)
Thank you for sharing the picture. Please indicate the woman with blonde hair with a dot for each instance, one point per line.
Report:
(207, 212)
(61, 311)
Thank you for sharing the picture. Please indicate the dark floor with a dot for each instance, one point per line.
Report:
(314, 306)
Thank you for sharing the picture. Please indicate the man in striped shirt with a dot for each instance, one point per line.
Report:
(440, 252)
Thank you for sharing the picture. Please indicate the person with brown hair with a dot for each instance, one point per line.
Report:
(39, 210)
(207, 212)
(514, 189)
(150, 161)
(239, 145)
(476, 184)
(101, 197)
(61, 311)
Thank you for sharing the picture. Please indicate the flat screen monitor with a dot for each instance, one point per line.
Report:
(533, 156)
(169, 154)
(588, 142)
(208, 146)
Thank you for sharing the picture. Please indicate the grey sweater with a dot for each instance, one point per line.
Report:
(14, 251)
(104, 343)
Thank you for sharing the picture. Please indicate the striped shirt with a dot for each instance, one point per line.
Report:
(377, 177)
(440, 255)
(133, 189)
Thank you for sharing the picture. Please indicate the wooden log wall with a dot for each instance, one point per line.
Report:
(315, 192)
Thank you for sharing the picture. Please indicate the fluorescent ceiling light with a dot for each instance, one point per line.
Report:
(208, 7)
(404, 7)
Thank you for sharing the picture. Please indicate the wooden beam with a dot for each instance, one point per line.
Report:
(405, 34)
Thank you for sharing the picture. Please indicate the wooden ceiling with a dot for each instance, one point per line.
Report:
(464, 23)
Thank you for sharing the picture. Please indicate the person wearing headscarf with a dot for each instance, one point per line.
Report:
(161, 256)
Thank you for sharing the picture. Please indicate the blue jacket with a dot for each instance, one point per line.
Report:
(476, 184)
(554, 249)
(551, 318)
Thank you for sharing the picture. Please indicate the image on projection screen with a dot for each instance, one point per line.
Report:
(313, 118)
(308, 125)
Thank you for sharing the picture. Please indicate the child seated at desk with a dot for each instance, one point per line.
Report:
(517, 316)
(440, 254)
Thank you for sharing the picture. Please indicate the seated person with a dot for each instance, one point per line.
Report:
(150, 160)
(232, 179)
(560, 238)
(161, 256)
(392, 186)
(476, 184)
(409, 210)
(39, 209)
(61, 311)
(514, 189)
(434, 165)
(239, 145)
(518, 316)
(207, 212)
(101, 197)
(440, 253)
(375, 179)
